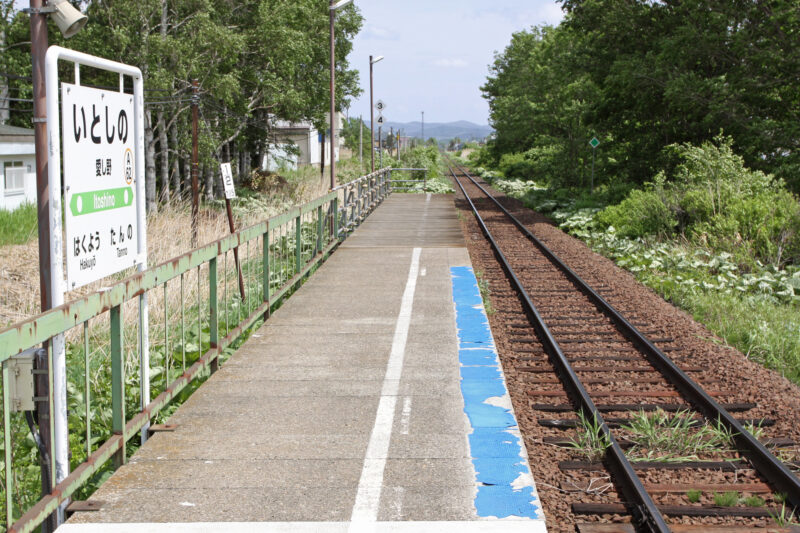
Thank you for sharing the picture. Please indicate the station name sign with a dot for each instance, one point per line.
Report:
(99, 183)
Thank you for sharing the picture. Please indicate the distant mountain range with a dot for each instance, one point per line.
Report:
(462, 129)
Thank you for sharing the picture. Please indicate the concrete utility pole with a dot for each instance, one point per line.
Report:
(371, 117)
(332, 12)
(372, 113)
(360, 143)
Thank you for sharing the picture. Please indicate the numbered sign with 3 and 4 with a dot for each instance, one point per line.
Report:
(99, 182)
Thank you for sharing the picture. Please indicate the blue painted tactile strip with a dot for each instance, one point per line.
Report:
(505, 487)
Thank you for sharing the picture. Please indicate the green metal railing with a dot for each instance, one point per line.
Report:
(197, 319)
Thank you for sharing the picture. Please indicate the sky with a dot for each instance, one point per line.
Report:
(437, 53)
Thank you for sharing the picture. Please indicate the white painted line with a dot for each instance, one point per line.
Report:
(428, 198)
(478, 526)
(368, 496)
(406, 418)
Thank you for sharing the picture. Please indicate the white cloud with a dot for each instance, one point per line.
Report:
(378, 33)
(447, 62)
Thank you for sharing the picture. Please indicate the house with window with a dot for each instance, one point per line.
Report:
(18, 167)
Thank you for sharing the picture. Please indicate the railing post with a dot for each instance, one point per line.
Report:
(118, 382)
(213, 313)
(319, 229)
(335, 235)
(359, 201)
(298, 242)
(8, 473)
(265, 281)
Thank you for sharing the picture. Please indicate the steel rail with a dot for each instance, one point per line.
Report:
(769, 466)
(643, 508)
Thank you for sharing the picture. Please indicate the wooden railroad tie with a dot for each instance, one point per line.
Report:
(669, 407)
(726, 466)
(568, 423)
(679, 510)
(683, 488)
(628, 394)
(595, 527)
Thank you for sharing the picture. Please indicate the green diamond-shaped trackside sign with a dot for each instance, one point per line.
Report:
(595, 142)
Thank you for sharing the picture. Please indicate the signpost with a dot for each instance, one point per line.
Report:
(105, 211)
(227, 180)
(594, 143)
(230, 192)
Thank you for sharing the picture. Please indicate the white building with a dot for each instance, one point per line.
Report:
(302, 137)
(17, 167)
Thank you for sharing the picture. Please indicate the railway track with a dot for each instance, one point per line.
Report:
(610, 371)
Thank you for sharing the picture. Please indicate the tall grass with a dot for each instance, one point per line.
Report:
(765, 330)
(18, 226)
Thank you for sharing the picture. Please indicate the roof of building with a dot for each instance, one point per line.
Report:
(15, 134)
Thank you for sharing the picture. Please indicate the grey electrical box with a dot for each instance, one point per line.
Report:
(20, 377)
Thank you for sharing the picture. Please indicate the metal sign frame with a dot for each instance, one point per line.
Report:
(57, 283)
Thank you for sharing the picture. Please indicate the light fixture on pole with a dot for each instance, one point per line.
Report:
(372, 113)
(332, 9)
(68, 19)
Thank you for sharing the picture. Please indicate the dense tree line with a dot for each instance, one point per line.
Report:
(256, 60)
(642, 75)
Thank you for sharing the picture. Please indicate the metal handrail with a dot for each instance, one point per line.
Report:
(277, 254)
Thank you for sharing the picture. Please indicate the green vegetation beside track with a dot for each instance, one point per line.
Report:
(711, 236)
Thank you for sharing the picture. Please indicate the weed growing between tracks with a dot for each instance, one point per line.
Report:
(486, 292)
(589, 441)
(673, 437)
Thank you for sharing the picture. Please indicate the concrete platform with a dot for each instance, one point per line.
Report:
(373, 400)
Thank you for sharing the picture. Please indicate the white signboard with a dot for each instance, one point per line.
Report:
(381, 121)
(99, 182)
(380, 106)
(227, 180)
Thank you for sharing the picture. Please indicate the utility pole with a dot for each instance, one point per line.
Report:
(39, 43)
(371, 118)
(195, 160)
(332, 12)
(360, 144)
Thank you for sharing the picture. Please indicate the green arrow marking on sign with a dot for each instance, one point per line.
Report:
(85, 203)
(595, 142)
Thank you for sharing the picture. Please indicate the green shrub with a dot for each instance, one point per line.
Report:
(419, 157)
(642, 213)
(517, 166)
